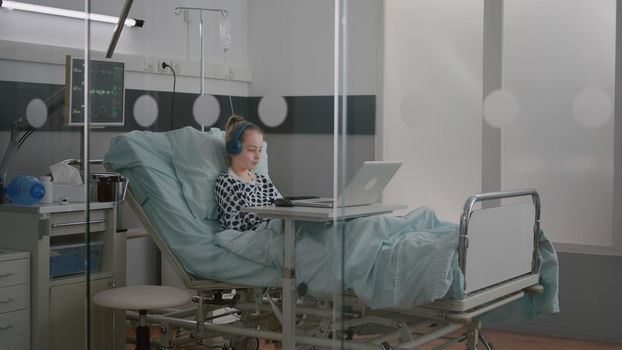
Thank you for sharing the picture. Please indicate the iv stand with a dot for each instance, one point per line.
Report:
(224, 13)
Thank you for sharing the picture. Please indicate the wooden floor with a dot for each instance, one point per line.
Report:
(515, 341)
(501, 341)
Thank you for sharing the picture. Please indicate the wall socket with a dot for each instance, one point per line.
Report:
(167, 70)
(161, 69)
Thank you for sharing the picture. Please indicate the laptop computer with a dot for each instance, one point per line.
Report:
(365, 187)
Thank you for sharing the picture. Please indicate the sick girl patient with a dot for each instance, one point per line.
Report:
(238, 187)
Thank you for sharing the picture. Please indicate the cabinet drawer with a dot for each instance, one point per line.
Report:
(13, 298)
(13, 323)
(14, 343)
(13, 272)
(75, 222)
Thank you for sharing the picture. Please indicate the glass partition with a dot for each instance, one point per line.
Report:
(46, 210)
(187, 70)
(565, 90)
(480, 97)
(148, 186)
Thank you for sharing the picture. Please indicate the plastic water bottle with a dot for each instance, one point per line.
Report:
(46, 181)
(25, 190)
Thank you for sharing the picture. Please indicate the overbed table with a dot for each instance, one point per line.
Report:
(289, 215)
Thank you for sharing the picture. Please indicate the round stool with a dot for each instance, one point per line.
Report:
(142, 298)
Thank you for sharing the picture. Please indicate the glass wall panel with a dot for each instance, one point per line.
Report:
(292, 54)
(46, 218)
(560, 139)
(187, 70)
(432, 91)
(479, 97)
(421, 63)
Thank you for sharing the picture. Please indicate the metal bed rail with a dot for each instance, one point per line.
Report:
(469, 209)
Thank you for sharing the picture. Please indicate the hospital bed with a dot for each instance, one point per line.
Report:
(506, 268)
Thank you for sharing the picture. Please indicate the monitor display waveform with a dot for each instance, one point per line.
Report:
(106, 92)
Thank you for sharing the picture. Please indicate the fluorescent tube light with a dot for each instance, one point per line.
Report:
(15, 5)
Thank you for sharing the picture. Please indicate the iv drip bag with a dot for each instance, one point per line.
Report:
(225, 32)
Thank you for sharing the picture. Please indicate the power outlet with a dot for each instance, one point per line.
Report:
(162, 69)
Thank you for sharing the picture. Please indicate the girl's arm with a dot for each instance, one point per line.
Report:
(230, 200)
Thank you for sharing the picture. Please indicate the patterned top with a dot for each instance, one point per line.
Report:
(232, 194)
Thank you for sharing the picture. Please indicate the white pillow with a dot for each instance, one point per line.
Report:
(199, 158)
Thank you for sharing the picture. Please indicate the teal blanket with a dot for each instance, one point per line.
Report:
(388, 261)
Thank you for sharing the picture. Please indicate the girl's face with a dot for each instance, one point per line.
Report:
(252, 144)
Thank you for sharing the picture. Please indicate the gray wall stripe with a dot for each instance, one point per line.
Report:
(306, 114)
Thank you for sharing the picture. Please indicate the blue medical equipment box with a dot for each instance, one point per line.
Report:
(70, 259)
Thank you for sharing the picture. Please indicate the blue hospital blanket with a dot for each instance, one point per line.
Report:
(388, 261)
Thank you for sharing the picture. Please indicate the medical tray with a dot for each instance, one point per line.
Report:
(70, 259)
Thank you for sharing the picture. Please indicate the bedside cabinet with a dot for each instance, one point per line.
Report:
(14, 300)
(54, 235)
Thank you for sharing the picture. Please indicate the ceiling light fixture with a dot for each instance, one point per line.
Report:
(15, 5)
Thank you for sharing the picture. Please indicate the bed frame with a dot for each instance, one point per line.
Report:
(498, 248)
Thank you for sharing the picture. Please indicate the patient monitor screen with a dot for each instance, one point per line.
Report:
(106, 92)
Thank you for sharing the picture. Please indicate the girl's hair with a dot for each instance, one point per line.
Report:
(234, 122)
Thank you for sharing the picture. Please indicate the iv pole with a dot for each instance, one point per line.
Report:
(224, 13)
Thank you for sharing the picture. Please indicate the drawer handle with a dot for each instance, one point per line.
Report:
(75, 223)
(7, 326)
(6, 273)
(6, 299)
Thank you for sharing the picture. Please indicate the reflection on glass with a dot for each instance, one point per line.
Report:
(272, 110)
(36, 113)
(206, 110)
(592, 108)
(145, 111)
(500, 108)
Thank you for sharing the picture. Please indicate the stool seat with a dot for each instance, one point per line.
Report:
(142, 297)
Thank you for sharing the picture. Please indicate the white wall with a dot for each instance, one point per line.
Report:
(292, 46)
(432, 102)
